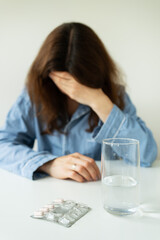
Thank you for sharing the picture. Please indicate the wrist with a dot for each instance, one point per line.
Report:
(101, 100)
(46, 167)
(102, 106)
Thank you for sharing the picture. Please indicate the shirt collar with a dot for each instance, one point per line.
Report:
(80, 111)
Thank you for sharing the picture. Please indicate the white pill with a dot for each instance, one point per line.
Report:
(59, 200)
(38, 214)
(49, 206)
(44, 209)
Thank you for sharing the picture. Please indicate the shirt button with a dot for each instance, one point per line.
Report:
(67, 152)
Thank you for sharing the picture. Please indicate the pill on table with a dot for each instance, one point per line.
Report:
(49, 206)
(44, 209)
(38, 214)
(59, 200)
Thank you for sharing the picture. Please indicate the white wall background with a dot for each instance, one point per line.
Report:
(129, 29)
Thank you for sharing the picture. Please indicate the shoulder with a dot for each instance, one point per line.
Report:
(129, 106)
(24, 97)
(22, 105)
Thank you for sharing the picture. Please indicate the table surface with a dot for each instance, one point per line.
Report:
(19, 197)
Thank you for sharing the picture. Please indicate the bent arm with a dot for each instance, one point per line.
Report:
(126, 124)
(16, 141)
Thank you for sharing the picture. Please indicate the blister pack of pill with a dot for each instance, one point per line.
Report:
(63, 212)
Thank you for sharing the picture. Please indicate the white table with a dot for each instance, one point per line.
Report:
(19, 197)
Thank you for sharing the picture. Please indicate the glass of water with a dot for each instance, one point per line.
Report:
(120, 165)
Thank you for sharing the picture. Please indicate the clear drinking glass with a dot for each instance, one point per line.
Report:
(120, 165)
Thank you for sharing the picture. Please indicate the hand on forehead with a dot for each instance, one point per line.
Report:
(63, 75)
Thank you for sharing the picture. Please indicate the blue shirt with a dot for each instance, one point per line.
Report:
(22, 127)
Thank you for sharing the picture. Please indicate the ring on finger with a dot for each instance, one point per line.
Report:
(73, 167)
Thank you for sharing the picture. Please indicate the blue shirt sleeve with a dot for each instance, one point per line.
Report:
(126, 124)
(17, 138)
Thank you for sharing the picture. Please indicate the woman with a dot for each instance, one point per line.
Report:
(72, 101)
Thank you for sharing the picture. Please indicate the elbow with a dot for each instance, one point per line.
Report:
(148, 154)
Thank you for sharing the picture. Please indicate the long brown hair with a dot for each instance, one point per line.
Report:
(74, 48)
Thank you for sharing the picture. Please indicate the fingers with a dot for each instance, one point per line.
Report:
(79, 168)
(85, 166)
(90, 165)
(63, 82)
(87, 170)
(73, 166)
(62, 75)
(75, 176)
